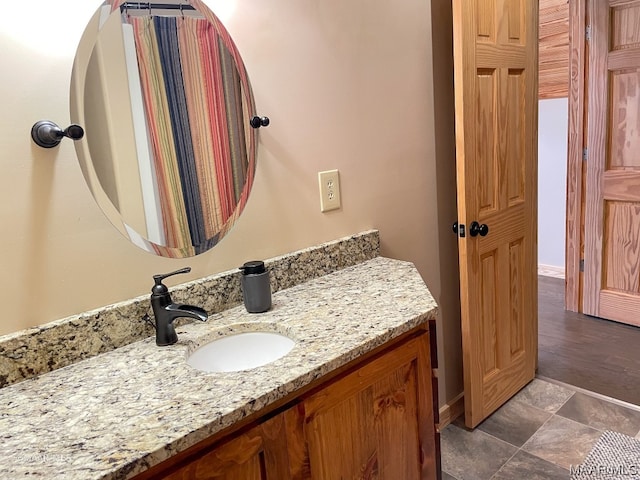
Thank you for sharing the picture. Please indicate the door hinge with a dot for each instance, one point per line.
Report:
(587, 33)
(582, 265)
(585, 154)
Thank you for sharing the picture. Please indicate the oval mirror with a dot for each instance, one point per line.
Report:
(165, 102)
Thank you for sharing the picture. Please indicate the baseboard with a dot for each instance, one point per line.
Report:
(551, 271)
(450, 411)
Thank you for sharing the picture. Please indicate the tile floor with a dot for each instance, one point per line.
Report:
(538, 434)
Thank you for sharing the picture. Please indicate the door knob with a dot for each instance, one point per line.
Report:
(455, 227)
(478, 229)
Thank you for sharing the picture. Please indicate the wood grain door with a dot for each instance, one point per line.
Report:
(612, 210)
(496, 70)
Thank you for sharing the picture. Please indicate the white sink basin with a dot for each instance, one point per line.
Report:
(241, 351)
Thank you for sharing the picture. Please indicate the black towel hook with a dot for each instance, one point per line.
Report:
(47, 134)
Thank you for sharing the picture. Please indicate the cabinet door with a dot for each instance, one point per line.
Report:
(259, 454)
(375, 423)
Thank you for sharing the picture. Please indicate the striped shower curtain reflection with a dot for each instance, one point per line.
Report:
(192, 95)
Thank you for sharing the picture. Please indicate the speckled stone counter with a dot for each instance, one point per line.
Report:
(116, 414)
(42, 349)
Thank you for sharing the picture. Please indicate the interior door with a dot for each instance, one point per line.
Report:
(496, 78)
(612, 210)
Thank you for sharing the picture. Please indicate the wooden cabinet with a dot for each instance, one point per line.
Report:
(376, 420)
(258, 454)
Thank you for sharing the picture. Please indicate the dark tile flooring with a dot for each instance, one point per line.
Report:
(538, 434)
(589, 372)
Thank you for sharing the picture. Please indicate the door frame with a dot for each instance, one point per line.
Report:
(575, 154)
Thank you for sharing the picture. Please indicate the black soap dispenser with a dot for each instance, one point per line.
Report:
(256, 288)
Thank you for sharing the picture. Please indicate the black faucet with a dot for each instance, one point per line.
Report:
(165, 311)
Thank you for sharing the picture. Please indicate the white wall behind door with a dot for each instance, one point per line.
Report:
(552, 181)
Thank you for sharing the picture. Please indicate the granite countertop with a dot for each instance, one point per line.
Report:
(116, 414)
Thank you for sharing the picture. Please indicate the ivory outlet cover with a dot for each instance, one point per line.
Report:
(329, 183)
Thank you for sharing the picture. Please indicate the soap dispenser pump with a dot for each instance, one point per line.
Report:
(256, 288)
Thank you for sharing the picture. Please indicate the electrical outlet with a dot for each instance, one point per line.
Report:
(329, 183)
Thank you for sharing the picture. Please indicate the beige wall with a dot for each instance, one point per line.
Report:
(347, 85)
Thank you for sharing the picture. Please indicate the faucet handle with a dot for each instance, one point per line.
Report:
(159, 288)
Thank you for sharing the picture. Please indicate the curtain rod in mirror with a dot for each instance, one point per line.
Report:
(155, 6)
